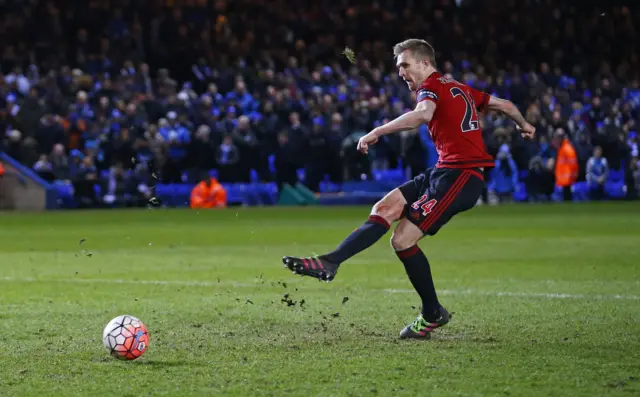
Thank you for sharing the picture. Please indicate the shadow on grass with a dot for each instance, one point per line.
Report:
(169, 363)
(152, 363)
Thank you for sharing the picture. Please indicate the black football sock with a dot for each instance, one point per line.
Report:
(360, 239)
(417, 266)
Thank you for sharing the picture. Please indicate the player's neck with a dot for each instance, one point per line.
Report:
(430, 70)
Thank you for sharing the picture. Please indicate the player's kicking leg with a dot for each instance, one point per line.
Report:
(325, 267)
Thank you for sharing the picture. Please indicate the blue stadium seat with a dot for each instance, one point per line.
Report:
(557, 194)
(175, 200)
(162, 190)
(267, 192)
(168, 194)
(329, 187)
(393, 175)
(64, 194)
(616, 175)
(521, 193)
(235, 194)
(183, 189)
(616, 190)
(250, 194)
(580, 191)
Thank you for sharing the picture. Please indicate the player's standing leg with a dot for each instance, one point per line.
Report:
(432, 315)
(450, 191)
(325, 267)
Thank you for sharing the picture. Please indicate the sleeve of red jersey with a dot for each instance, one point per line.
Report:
(430, 90)
(480, 98)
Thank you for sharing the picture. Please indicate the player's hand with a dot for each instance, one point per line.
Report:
(369, 139)
(528, 131)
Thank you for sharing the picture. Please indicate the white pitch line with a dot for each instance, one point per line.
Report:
(549, 295)
(186, 283)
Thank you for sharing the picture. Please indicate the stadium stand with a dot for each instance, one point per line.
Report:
(136, 102)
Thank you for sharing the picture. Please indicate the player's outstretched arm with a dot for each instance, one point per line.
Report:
(422, 114)
(508, 108)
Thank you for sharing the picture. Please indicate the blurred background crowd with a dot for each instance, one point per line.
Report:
(119, 93)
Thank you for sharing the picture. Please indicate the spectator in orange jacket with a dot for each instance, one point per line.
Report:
(566, 164)
(208, 194)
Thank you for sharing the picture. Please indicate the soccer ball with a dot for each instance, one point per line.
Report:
(126, 337)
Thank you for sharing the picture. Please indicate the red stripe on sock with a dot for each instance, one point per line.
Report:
(446, 201)
(380, 220)
(409, 252)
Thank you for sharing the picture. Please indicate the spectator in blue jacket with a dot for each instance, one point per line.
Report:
(177, 139)
(597, 170)
(504, 177)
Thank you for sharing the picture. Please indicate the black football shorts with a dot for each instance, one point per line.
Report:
(438, 194)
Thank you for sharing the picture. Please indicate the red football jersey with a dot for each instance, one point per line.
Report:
(455, 127)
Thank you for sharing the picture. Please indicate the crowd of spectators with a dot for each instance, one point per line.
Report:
(124, 92)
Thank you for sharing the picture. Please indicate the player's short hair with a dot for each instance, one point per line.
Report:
(419, 48)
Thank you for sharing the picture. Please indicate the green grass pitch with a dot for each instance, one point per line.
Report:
(546, 301)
